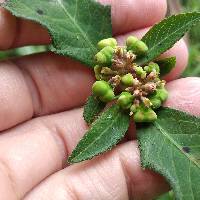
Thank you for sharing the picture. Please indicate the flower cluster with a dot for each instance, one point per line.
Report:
(137, 89)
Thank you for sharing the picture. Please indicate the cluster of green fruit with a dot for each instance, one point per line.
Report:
(135, 88)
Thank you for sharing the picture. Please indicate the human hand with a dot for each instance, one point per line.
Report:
(41, 96)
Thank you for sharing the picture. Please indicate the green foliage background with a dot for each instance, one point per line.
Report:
(193, 68)
(22, 51)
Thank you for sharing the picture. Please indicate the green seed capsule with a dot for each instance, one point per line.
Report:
(139, 117)
(163, 94)
(131, 40)
(109, 96)
(97, 71)
(151, 116)
(152, 67)
(158, 97)
(156, 103)
(140, 72)
(128, 79)
(100, 88)
(125, 100)
(104, 57)
(145, 115)
(112, 42)
(139, 48)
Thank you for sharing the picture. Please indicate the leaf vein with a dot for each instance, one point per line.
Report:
(167, 135)
(78, 27)
(192, 193)
(102, 133)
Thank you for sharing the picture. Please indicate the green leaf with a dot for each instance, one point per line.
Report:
(92, 109)
(164, 35)
(166, 65)
(75, 26)
(105, 133)
(171, 146)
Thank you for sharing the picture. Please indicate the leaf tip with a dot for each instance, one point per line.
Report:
(70, 160)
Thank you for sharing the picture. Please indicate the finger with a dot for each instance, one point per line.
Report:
(116, 175)
(188, 96)
(126, 16)
(43, 84)
(31, 152)
(16, 32)
(37, 149)
(179, 50)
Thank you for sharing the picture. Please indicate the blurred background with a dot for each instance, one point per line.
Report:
(193, 37)
(174, 6)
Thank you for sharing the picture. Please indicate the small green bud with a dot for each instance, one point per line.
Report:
(139, 116)
(109, 96)
(128, 79)
(131, 40)
(97, 71)
(104, 57)
(100, 88)
(156, 103)
(152, 67)
(147, 69)
(112, 42)
(151, 116)
(140, 72)
(143, 76)
(125, 100)
(159, 96)
(145, 115)
(139, 48)
(163, 94)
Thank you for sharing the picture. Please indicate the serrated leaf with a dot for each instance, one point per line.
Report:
(166, 65)
(75, 26)
(165, 34)
(105, 133)
(171, 146)
(92, 109)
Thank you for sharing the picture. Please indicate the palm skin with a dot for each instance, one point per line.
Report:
(41, 116)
